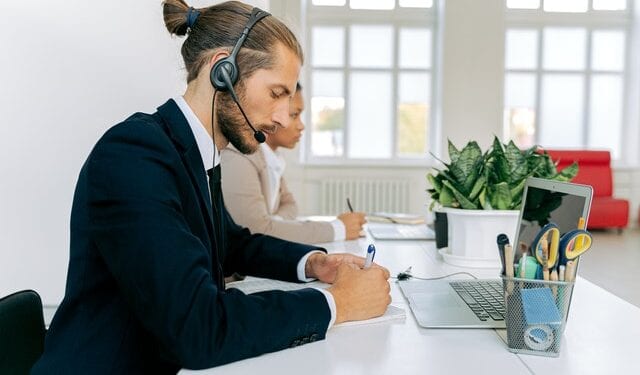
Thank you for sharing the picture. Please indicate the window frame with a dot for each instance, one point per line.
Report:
(591, 20)
(343, 16)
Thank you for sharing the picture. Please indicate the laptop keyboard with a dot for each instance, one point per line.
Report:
(485, 298)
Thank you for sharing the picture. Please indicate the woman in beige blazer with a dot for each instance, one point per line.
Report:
(257, 197)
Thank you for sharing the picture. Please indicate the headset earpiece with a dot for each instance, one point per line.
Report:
(224, 82)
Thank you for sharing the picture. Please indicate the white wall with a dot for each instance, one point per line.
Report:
(472, 71)
(68, 71)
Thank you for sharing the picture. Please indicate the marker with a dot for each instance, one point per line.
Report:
(561, 272)
(371, 253)
(502, 241)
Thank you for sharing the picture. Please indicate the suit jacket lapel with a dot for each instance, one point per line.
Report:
(178, 129)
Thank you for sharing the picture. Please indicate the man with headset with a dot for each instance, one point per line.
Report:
(151, 241)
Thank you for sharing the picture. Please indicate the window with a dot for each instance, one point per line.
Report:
(565, 73)
(369, 81)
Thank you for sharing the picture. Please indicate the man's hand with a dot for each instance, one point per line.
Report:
(359, 293)
(324, 267)
(353, 222)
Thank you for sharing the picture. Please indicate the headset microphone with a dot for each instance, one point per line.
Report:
(258, 135)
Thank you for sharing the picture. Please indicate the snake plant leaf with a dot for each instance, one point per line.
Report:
(467, 162)
(482, 198)
(568, 173)
(450, 176)
(517, 162)
(435, 183)
(516, 194)
(499, 169)
(461, 198)
(477, 187)
(447, 198)
(500, 196)
(454, 154)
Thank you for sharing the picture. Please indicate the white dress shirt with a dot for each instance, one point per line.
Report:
(207, 149)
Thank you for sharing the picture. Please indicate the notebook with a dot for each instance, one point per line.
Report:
(381, 231)
(395, 218)
(257, 284)
(480, 303)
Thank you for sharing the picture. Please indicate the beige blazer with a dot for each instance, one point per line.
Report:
(245, 187)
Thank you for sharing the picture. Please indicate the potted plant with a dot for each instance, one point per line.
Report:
(481, 193)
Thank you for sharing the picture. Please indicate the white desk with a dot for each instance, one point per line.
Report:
(602, 334)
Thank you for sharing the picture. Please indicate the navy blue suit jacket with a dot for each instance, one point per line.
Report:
(142, 294)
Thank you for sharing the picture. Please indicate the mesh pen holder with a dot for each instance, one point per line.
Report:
(536, 314)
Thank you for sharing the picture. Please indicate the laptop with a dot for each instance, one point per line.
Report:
(383, 231)
(480, 303)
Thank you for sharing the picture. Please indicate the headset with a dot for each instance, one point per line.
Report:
(224, 73)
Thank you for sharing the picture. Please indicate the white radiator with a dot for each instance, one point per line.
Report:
(366, 195)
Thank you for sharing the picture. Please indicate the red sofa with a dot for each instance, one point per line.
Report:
(595, 170)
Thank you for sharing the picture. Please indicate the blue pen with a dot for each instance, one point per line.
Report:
(371, 253)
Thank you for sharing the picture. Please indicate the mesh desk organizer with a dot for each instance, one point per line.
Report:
(536, 314)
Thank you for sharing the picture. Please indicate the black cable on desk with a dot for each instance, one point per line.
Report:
(406, 275)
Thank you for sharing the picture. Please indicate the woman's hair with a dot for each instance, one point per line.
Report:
(220, 26)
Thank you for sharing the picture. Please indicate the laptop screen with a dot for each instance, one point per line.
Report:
(549, 201)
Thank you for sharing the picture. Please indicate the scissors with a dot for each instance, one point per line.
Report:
(551, 249)
(546, 244)
(573, 244)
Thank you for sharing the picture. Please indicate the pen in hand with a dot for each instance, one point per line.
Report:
(349, 205)
(371, 253)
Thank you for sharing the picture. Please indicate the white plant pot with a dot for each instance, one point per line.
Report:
(473, 233)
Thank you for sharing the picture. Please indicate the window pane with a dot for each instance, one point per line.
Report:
(523, 4)
(607, 52)
(370, 115)
(327, 46)
(329, 2)
(605, 114)
(416, 3)
(609, 4)
(564, 48)
(372, 4)
(413, 113)
(327, 113)
(573, 6)
(371, 46)
(561, 111)
(519, 108)
(522, 49)
(415, 48)
(520, 90)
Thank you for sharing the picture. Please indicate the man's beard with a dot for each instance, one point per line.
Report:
(234, 126)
